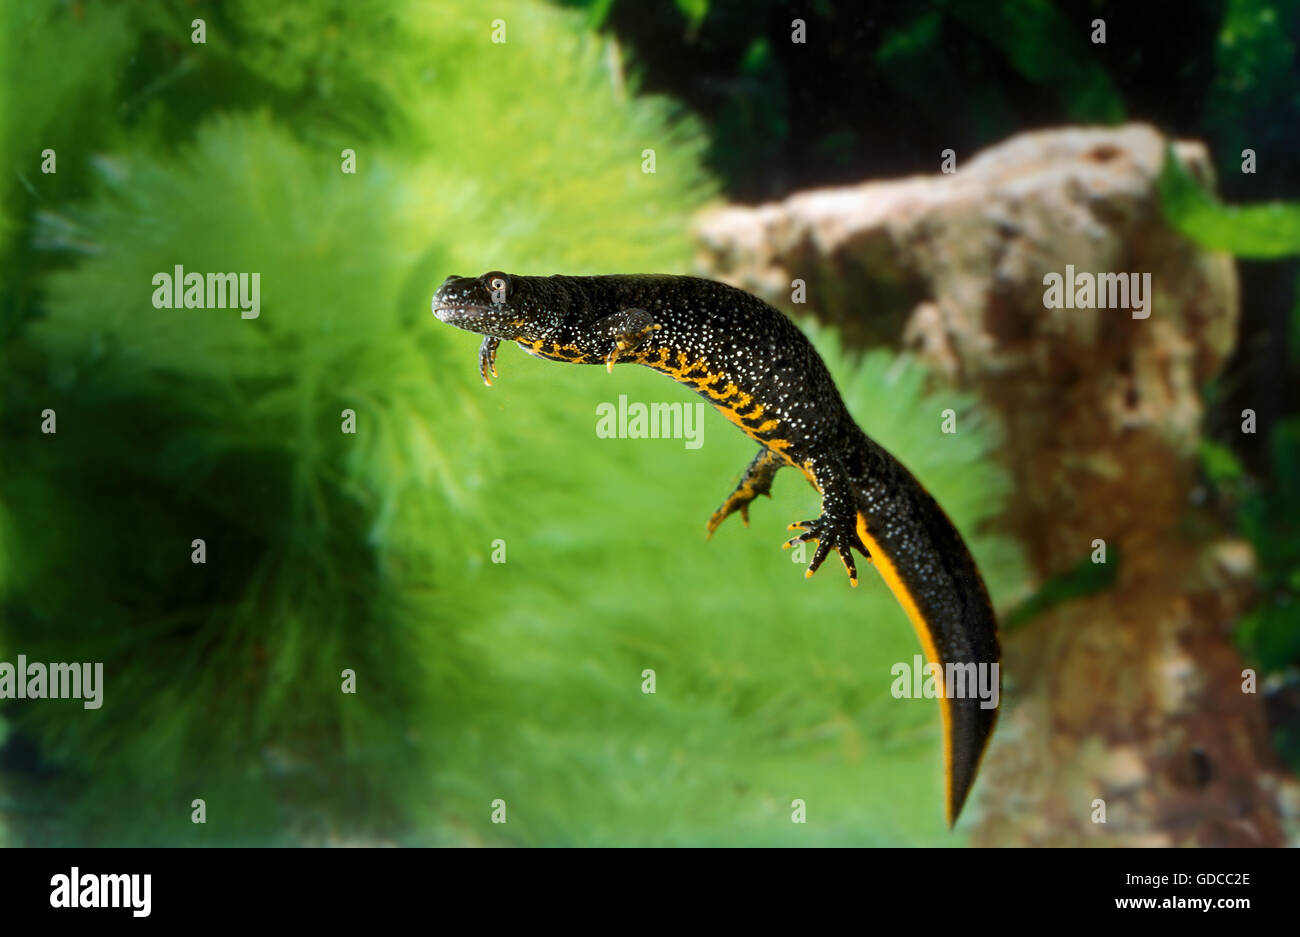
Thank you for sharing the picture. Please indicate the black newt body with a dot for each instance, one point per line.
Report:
(752, 363)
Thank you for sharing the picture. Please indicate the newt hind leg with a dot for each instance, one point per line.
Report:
(756, 481)
(837, 527)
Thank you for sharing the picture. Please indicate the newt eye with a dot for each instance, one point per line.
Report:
(498, 284)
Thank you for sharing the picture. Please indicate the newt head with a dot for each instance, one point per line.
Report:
(494, 305)
(574, 319)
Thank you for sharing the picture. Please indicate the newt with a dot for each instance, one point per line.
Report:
(753, 364)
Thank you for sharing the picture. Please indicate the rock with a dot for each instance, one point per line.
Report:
(1102, 414)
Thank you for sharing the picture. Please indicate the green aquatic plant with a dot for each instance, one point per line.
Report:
(1258, 232)
(325, 551)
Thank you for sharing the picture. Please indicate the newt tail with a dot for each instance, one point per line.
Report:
(751, 362)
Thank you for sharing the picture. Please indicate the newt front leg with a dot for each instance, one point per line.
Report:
(628, 329)
(487, 359)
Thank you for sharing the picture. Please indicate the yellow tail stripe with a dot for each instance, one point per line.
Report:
(889, 573)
